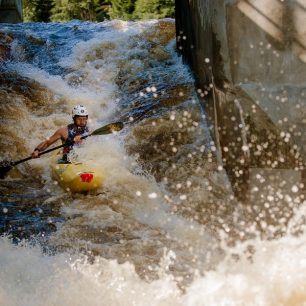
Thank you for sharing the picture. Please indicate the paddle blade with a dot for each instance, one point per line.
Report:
(109, 128)
(5, 166)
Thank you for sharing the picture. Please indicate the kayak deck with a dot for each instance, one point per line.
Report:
(76, 177)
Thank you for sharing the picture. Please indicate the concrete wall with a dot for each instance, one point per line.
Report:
(249, 59)
(11, 11)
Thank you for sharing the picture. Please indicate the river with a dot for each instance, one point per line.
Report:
(165, 228)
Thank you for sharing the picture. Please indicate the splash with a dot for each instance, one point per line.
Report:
(274, 275)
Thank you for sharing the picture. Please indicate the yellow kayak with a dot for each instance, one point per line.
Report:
(77, 177)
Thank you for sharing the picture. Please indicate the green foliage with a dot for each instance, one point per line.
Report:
(102, 10)
(141, 9)
(30, 10)
(154, 9)
(122, 9)
(65, 10)
(36, 10)
(96, 10)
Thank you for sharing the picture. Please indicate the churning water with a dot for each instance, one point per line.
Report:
(165, 228)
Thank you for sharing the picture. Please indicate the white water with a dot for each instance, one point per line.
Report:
(274, 276)
(176, 247)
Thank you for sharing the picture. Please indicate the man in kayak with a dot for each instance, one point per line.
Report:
(72, 132)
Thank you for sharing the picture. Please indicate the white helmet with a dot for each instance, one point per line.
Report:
(79, 110)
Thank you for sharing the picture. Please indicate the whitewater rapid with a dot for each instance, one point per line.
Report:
(165, 228)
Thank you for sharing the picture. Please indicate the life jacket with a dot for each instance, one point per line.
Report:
(73, 131)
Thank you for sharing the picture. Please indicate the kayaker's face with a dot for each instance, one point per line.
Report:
(80, 121)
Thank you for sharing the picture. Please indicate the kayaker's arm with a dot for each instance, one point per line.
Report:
(59, 134)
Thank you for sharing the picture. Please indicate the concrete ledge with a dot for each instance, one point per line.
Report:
(249, 59)
(11, 11)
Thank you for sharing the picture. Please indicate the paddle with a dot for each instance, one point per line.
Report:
(107, 129)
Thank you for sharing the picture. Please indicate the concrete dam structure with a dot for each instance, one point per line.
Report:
(249, 60)
(11, 11)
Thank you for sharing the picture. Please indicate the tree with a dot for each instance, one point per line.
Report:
(96, 10)
(65, 10)
(122, 9)
(35, 10)
(102, 10)
(59, 13)
(154, 9)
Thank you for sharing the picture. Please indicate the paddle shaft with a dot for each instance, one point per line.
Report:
(47, 151)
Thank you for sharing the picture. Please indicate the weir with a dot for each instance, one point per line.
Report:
(249, 60)
(11, 11)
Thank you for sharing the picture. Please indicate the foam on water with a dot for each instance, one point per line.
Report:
(30, 278)
(274, 275)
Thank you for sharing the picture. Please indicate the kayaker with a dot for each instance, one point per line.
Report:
(72, 132)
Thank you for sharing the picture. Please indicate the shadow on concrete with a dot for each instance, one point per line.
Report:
(11, 11)
(283, 21)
